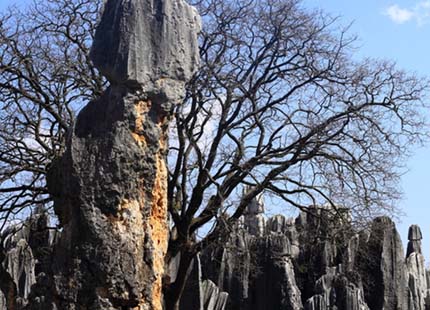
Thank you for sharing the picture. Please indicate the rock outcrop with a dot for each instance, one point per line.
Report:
(148, 44)
(110, 186)
(382, 267)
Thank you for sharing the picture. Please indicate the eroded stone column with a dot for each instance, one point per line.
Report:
(110, 187)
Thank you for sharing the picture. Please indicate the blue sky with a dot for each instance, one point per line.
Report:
(397, 30)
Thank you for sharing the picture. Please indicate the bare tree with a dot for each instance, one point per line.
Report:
(279, 106)
(45, 77)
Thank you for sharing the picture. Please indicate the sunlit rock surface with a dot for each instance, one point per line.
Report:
(418, 290)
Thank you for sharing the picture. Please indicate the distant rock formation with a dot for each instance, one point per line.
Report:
(416, 276)
(317, 262)
(28, 252)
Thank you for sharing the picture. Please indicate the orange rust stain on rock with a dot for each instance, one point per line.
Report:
(141, 108)
(130, 222)
(158, 226)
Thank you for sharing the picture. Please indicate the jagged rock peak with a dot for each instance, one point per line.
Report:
(149, 44)
(256, 206)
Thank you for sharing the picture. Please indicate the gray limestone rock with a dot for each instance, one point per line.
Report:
(20, 264)
(417, 282)
(256, 206)
(110, 185)
(103, 193)
(258, 272)
(149, 44)
(382, 267)
(27, 253)
(279, 224)
(336, 291)
(427, 298)
(345, 270)
(213, 298)
(414, 233)
(254, 218)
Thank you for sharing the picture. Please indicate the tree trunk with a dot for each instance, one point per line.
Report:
(173, 291)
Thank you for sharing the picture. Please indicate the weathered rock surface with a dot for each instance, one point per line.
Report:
(255, 221)
(414, 237)
(26, 255)
(110, 185)
(381, 263)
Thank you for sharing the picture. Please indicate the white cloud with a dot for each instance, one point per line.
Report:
(420, 13)
(399, 15)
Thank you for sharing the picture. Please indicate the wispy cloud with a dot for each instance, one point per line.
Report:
(420, 13)
(399, 15)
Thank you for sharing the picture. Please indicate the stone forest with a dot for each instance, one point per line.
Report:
(117, 241)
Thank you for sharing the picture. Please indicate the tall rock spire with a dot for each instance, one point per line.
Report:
(110, 186)
(416, 271)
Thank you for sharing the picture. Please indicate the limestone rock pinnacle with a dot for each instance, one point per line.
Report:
(110, 186)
